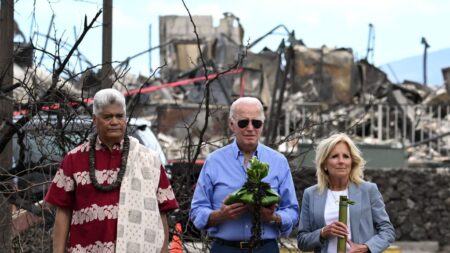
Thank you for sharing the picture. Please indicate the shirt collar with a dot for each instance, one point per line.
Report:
(100, 145)
(237, 152)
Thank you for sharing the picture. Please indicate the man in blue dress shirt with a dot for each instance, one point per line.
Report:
(225, 171)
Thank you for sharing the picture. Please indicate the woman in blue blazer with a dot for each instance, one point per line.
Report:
(339, 166)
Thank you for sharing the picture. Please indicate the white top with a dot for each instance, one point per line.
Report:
(331, 215)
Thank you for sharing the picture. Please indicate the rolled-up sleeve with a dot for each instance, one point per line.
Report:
(288, 208)
(201, 206)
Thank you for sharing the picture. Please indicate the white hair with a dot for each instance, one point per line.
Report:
(107, 97)
(246, 100)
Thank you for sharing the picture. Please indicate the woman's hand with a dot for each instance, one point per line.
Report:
(357, 248)
(336, 228)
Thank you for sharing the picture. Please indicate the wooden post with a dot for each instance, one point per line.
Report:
(6, 107)
(107, 44)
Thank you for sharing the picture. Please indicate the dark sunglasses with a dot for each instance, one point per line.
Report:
(255, 122)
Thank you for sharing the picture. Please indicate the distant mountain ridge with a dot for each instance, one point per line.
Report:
(411, 68)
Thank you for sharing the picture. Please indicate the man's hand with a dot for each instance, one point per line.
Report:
(233, 211)
(267, 213)
(226, 212)
(61, 229)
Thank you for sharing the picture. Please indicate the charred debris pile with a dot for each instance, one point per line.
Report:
(307, 92)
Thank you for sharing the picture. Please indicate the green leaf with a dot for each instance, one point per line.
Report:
(271, 198)
(255, 173)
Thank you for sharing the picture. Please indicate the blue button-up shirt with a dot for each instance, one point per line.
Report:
(223, 173)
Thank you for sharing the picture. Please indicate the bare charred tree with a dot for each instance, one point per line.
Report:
(6, 75)
(18, 185)
(107, 43)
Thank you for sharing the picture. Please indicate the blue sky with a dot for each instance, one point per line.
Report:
(399, 25)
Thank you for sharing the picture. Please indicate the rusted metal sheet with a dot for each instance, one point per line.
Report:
(261, 72)
(182, 125)
(328, 70)
(173, 120)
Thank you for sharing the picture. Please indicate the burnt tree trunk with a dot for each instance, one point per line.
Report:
(107, 44)
(6, 107)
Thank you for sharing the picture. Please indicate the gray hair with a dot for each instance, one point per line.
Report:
(107, 97)
(246, 100)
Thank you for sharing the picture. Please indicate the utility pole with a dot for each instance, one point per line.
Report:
(426, 46)
(370, 43)
(107, 44)
(6, 108)
(150, 52)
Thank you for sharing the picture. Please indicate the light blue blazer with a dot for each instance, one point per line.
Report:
(369, 221)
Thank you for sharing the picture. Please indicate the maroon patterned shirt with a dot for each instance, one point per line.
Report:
(94, 213)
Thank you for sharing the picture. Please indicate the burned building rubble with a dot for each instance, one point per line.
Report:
(307, 92)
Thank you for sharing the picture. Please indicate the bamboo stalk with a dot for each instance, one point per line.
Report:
(343, 207)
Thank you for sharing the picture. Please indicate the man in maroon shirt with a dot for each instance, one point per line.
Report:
(111, 193)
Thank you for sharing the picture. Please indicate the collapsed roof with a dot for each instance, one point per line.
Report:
(308, 92)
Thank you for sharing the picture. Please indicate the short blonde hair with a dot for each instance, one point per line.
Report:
(323, 151)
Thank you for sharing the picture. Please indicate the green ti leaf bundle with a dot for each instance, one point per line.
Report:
(255, 187)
